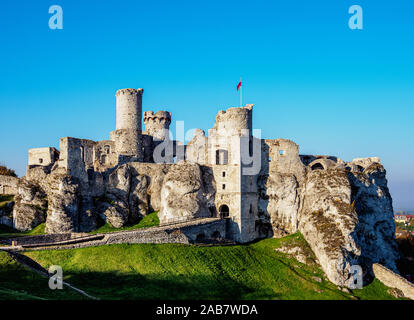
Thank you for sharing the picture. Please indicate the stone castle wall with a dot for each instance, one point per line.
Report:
(157, 124)
(393, 280)
(43, 156)
(9, 185)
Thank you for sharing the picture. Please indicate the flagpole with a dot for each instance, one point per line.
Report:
(241, 93)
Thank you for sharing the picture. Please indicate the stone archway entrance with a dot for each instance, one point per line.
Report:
(224, 211)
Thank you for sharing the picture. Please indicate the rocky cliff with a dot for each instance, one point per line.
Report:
(187, 192)
(344, 212)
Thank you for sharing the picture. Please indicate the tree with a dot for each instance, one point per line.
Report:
(7, 172)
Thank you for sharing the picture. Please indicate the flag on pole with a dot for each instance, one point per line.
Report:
(239, 85)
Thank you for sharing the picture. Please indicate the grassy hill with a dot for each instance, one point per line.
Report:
(174, 271)
(150, 220)
(20, 283)
(7, 232)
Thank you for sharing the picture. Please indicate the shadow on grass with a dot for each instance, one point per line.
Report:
(112, 285)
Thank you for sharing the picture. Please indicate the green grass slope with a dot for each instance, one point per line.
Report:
(20, 283)
(174, 271)
(5, 199)
(7, 232)
(150, 220)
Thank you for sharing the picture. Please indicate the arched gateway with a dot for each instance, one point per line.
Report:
(224, 211)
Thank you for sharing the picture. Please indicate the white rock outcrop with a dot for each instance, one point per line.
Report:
(184, 195)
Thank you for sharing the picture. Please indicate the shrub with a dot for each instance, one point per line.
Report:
(7, 172)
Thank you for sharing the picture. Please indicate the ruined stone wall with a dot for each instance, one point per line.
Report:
(365, 162)
(77, 156)
(393, 280)
(284, 158)
(43, 156)
(196, 151)
(104, 155)
(214, 229)
(227, 180)
(9, 185)
(191, 232)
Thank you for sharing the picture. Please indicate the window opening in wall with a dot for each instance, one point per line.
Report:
(281, 152)
(224, 186)
(224, 211)
(317, 166)
(224, 174)
(82, 154)
(40, 160)
(221, 156)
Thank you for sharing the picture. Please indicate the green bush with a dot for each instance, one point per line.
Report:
(4, 171)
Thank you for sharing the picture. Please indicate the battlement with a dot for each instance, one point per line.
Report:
(160, 117)
(157, 124)
(131, 91)
(234, 111)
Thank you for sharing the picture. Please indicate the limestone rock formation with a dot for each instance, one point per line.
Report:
(138, 198)
(184, 194)
(156, 175)
(376, 228)
(328, 220)
(344, 211)
(30, 206)
(114, 208)
(116, 213)
(280, 198)
(347, 219)
(64, 203)
(87, 215)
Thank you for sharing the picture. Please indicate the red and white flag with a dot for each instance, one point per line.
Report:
(238, 86)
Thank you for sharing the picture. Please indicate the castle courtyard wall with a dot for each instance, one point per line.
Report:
(9, 185)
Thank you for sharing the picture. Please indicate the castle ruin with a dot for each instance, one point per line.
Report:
(261, 187)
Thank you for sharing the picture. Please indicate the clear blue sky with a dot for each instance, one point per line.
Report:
(313, 80)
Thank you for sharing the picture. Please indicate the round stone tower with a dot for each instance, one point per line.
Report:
(128, 134)
(233, 120)
(158, 124)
